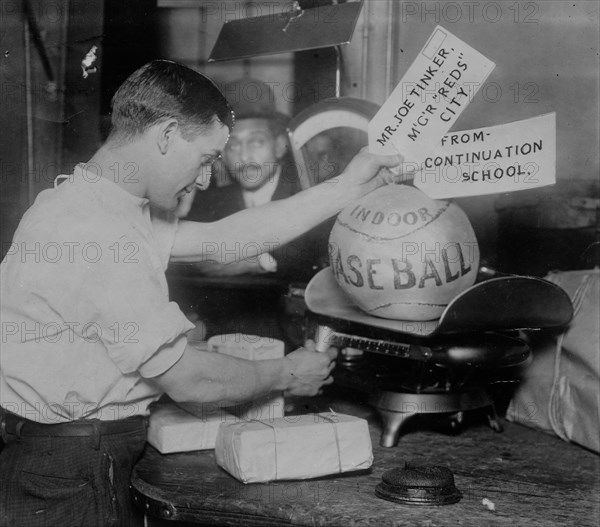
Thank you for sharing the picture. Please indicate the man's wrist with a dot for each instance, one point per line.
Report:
(340, 193)
(284, 374)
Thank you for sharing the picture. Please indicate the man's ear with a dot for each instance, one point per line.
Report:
(166, 135)
(281, 146)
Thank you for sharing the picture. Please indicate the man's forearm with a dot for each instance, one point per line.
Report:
(250, 232)
(256, 230)
(244, 267)
(205, 377)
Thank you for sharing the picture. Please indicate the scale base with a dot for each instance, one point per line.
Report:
(397, 408)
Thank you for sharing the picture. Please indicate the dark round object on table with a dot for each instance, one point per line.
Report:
(418, 485)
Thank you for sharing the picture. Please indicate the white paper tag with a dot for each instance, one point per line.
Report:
(503, 158)
(434, 91)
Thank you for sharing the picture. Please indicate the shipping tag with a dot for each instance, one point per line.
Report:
(503, 158)
(434, 91)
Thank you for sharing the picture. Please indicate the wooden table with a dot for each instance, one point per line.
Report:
(533, 479)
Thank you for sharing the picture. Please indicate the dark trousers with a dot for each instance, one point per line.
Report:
(69, 481)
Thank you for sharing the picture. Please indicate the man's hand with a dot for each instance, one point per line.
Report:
(309, 370)
(267, 263)
(367, 172)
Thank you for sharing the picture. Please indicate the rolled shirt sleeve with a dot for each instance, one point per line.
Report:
(141, 329)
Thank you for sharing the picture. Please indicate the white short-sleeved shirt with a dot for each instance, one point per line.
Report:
(85, 313)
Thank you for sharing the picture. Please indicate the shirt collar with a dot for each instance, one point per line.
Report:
(105, 189)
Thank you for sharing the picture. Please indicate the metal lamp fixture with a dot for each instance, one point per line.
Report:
(296, 30)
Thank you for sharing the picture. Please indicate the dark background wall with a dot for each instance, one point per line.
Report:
(546, 56)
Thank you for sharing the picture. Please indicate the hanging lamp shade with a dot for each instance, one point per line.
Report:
(296, 30)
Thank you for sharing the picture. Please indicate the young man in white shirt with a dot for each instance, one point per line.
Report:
(90, 337)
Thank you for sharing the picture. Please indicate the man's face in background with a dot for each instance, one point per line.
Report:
(252, 153)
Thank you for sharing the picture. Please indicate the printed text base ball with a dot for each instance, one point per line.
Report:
(401, 255)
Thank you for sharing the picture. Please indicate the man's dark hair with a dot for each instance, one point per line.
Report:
(162, 90)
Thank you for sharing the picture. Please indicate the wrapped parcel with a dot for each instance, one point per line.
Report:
(173, 429)
(294, 447)
(252, 347)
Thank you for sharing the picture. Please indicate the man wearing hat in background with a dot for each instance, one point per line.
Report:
(261, 169)
(258, 161)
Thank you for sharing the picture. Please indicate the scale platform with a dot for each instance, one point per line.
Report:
(438, 366)
(498, 304)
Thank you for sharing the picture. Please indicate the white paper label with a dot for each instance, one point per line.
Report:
(435, 90)
(504, 158)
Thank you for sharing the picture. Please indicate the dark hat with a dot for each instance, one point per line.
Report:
(252, 98)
